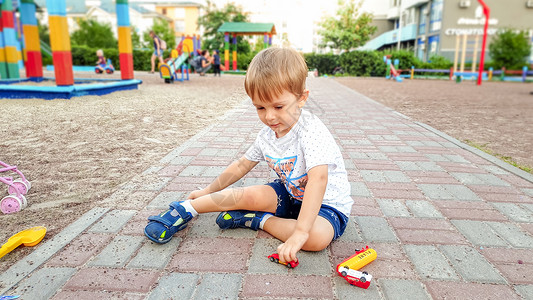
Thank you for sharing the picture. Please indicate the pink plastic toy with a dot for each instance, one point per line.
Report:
(16, 189)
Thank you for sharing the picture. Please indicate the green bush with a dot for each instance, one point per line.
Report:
(439, 62)
(362, 63)
(407, 59)
(509, 49)
(324, 63)
(243, 60)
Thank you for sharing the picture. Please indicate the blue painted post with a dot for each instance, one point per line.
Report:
(524, 73)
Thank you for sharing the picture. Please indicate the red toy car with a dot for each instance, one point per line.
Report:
(354, 277)
(275, 258)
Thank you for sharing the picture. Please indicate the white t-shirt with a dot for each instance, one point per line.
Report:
(308, 144)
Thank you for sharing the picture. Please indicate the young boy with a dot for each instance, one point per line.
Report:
(309, 205)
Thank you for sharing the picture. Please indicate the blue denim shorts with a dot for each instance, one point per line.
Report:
(289, 208)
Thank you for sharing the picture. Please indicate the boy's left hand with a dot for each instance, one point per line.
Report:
(287, 251)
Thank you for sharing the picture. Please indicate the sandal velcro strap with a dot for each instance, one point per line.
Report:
(181, 210)
(161, 220)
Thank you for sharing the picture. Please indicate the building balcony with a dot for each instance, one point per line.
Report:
(391, 37)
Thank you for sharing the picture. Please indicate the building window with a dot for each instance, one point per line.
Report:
(422, 19)
(435, 18)
(164, 11)
(179, 26)
(421, 49)
(433, 45)
(179, 13)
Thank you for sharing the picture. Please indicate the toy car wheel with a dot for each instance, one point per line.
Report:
(289, 266)
(10, 204)
(24, 202)
(167, 80)
(343, 273)
(98, 71)
(21, 186)
(272, 259)
(108, 71)
(362, 279)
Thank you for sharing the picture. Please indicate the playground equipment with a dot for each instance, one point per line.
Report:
(242, 28)
(16, 189)
(109, 69)
(178, 63)
(61, 53)
(392, 71)
(173, 66)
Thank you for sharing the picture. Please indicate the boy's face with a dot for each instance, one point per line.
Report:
(282, 112)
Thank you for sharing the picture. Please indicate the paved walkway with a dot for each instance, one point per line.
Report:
(446, 221)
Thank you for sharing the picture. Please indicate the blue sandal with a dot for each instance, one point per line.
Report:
(240, 219)
(161, 228)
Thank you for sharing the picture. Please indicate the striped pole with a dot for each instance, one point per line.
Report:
(194, 45)
(10, 56)
(34, 62)
(270, 39)
(265, 41)
(234, 52)
(125, 48)
(19, 38)
(60, 42)
(226, 51)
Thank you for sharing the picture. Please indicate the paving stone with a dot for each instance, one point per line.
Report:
(423, 236)
(448, 192)
(471, 265)
(514, 212)
(154, 256)
(218, 286)
(430, 263)
(384, 176)
(208, 262)
(423, 209)
(479, 233)
(418, 166)
(526, 291)
(193, 171)
(44, 283)
(111, 279)
(508, 255)
(359, 189)
(473, 214)
(375, 229)
(174, 284)
(463, 290)
(287, 286)
(113, 221)
(67, 295)
(403, 289)
(393, 208)
(163, 200)
(80, 250)
(118, 251)
(344, 290)
(416, 223)
(351, 234)
(479, 179)
(512, 234)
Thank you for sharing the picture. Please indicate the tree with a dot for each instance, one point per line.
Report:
(94, 34)
(509, 48)
(348, 29)
(213, 18)
(163, 31)
(135, 38)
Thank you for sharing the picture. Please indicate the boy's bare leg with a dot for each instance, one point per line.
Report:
(320, 235)
(254, 198)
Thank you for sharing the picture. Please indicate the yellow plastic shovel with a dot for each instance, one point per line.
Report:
(29, 237)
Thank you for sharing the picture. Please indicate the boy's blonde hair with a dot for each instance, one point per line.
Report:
(273, 71)
(99, 52)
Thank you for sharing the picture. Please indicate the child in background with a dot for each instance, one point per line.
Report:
(216, 63)
(101, 63)
(308, 206)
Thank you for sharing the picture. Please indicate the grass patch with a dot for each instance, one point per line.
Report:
(506, 159)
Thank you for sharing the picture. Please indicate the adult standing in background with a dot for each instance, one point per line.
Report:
(158, 52)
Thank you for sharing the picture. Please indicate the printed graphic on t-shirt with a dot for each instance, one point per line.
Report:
(284, 167)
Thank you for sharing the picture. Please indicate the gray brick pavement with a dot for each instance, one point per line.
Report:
(418, 190)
